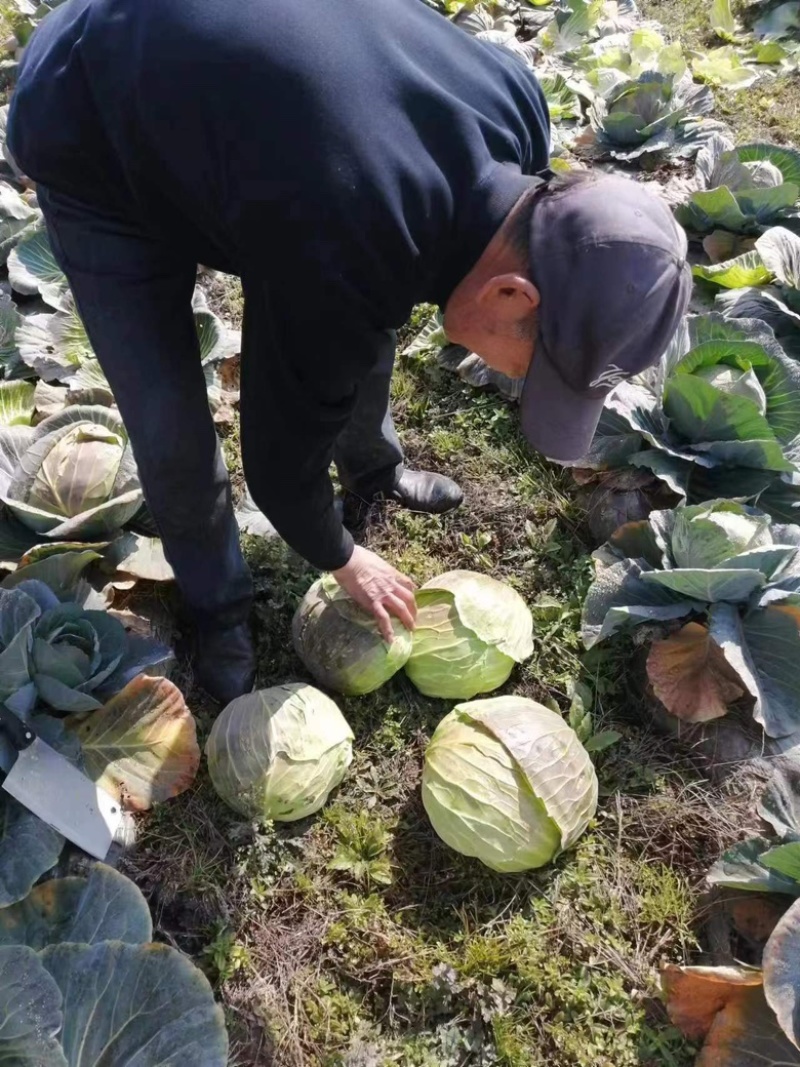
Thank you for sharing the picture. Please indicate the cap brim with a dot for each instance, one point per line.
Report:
(557, 421)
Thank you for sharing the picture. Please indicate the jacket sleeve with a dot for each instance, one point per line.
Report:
(303, 357)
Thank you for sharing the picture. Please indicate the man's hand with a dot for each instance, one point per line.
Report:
(378, 588)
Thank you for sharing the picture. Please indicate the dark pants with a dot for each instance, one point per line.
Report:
(134, 297)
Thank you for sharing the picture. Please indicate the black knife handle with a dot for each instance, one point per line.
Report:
(18, 733)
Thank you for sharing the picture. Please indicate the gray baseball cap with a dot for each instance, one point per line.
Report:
(609, 262)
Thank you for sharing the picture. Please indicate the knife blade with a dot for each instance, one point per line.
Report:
(47, 784)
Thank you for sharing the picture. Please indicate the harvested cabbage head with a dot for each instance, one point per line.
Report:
(507, 781)
(341, 644)
(471, 630)
(278, 753)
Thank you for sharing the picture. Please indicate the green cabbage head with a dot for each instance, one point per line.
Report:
(75, 476)
(471, 630)
(507, 781)
(340, 643)
(62, 655)
(710, 534)
(278, 753)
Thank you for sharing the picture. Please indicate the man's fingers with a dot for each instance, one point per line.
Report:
(408, 599)
(405, 581)
(383, 621)
(400, 609)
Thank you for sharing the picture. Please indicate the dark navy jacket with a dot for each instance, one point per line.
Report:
(344, 157)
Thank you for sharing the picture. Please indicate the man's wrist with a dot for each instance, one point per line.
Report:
(348, 548)
(345, 567)
(334, 561)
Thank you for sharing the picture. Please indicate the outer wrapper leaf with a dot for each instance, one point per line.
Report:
(549, 755)
(30, 1011)
(780, 802)
(18, 615)
(691, 677)
(28, 848)
(786, 159)
(785, 859)
(58, 564)
(782, 973)
(620, 597)
(140, 557)
(741, 867)
(106, 906)
(491, 609)
(16, 403)
(135, 1004)
(764, 650)
(142, 745)
(732, 586)
(726, 1005)
(744, 270)
(32, 269)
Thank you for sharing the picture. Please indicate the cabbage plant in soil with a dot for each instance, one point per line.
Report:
(718, 587)
(69, 654)
(432, 341)
(82, 983)
(654, 116)
(631, 54)
(778, 35)
(71, 670)
(340, 643)
(763, 283)
(72, 477)
(278, 753)
(17, 396)
(574, 24)
(508, 782)
(495, 26)
(719, 415)
(470, 631)
(750, 1014)
(19, 217)
(742, 188)
(55, 347)
(725, 68)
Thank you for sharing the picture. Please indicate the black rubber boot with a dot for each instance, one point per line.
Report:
(416, 490)
(224, 661)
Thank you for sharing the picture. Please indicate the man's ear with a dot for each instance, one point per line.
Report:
(508, 298)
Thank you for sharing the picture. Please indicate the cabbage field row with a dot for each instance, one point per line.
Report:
(560, 823)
